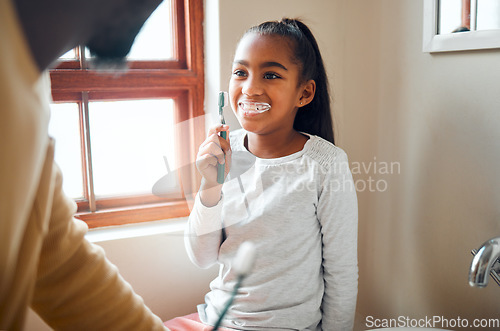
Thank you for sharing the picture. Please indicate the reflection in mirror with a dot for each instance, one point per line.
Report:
(488, 15)
(454, 16)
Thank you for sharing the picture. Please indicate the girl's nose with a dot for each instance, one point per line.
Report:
(252, 86)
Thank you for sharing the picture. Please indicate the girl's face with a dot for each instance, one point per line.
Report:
(263, 71)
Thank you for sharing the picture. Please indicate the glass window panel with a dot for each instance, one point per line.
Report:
(450, 16)
(130, 141)
(70, 55)
(64, 127)
(155, 40)
(488, 14)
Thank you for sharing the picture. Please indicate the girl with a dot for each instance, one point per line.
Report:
(289, 191)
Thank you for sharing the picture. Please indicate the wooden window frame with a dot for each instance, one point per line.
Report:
(181, 79)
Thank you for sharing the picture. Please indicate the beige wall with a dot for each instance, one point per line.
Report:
(438, 116)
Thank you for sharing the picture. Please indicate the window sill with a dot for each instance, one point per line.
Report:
(169, 226)
(135, 214)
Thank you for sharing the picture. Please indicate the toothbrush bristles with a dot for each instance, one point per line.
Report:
(223, 99)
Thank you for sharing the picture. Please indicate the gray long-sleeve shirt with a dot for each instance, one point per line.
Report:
(300, 211)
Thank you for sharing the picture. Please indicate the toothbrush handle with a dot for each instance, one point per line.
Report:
(221, 168)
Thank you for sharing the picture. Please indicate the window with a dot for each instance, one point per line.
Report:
(458, 25)
(126, 142)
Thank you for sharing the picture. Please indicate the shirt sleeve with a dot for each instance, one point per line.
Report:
(338, 215)
(77, 288)
(203, 234)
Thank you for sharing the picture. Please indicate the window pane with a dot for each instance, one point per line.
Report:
(130, 141)
(488, 14)
(64, 127)
(450, 16)
(70, 55)
(155, 41)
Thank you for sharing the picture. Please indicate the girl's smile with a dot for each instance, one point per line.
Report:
(251, 108)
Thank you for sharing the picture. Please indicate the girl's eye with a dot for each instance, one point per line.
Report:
(239, 73)
(271, 75)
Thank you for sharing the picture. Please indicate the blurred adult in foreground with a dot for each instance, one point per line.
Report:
(45, 261)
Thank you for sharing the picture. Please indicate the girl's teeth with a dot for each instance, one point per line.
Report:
(257, 107)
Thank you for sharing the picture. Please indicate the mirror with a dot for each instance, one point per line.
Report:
(454, 25)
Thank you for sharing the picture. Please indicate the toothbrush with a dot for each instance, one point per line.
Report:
(242, 264)
(223, 97)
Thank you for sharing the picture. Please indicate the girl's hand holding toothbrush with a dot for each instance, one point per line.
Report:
(213, 151)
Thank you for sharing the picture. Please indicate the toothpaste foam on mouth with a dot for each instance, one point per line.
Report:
(254, 107)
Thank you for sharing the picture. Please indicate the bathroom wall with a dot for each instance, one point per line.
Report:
(437, 115)
(421, 133)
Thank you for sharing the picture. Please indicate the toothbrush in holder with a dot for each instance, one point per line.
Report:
(223, 97)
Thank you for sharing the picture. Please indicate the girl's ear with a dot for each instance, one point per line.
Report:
(308, 90)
